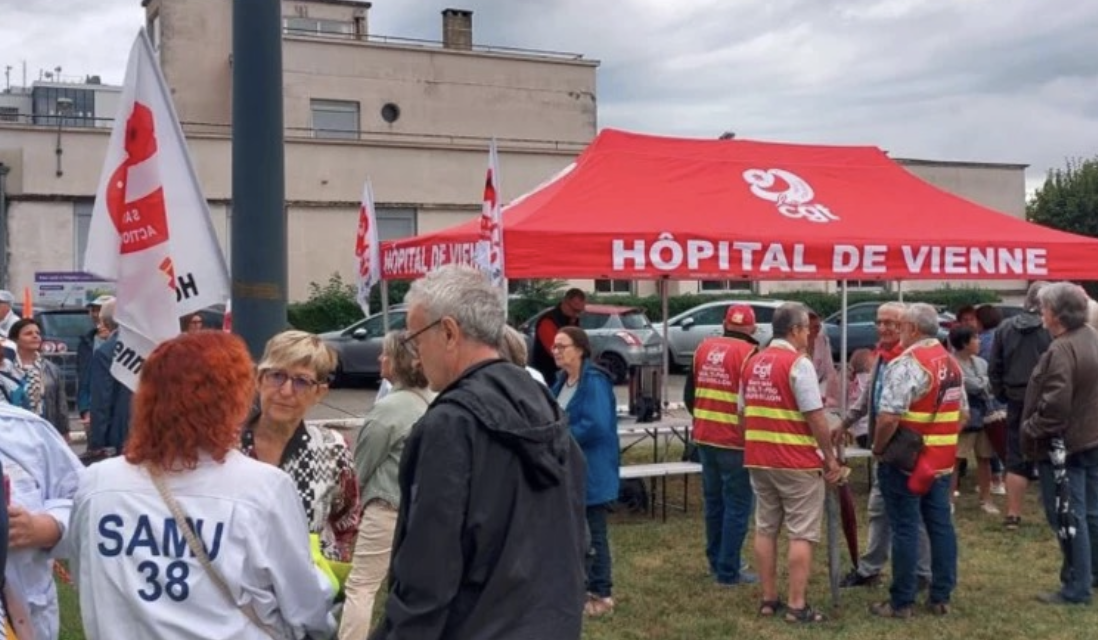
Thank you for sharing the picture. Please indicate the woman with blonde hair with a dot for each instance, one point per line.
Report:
(184, 537)
(293, 377)
(377, 461)
(513, 348)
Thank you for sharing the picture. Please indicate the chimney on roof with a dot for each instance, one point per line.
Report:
(457, 29)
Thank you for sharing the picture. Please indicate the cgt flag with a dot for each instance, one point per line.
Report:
(489, 251)
(367, 249)
(150, 228)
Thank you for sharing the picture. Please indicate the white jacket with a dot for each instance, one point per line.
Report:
(44, 474)
(138, 579)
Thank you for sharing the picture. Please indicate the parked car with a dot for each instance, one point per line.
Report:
(359, 346)
(621, 337)
(1010, 310)
(686, 330)
(861, 323)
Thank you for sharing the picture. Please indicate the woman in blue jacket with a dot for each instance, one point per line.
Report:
(586, 393)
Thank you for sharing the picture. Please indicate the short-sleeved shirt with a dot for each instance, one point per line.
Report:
(905, 380)
(804, 380)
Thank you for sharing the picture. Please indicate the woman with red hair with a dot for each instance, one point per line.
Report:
(184, 536)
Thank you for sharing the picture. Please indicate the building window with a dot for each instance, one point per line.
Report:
(394, 223)
(720, 286)
(82, 215)
(75, 107)
(335, 119)
(9, 114)
(152, 27)
(614, 286)
(300, 26)
(864, 285)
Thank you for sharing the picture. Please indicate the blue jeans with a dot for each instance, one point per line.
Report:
(903, 509)
(599, 581)
(1076, 574)
(729, 501)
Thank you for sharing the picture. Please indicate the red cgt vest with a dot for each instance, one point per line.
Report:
(776, 433)
(718, 366)
(937, 413)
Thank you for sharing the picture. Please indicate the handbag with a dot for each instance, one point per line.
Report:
(903, 449)
(199, 550)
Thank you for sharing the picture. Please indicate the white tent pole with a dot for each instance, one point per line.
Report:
(666, 344)
(900, 289)
(842, 351)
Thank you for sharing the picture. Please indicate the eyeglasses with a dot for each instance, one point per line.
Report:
(275, 379)
(409, 341)
(887, 324)
(560, 348)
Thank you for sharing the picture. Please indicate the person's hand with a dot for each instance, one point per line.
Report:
(28, 530)
(85, 418)
(833, 471)
(840, 435)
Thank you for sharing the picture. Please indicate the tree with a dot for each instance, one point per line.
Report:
(1069, 198)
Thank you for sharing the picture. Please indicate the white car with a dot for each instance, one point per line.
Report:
(686, 330)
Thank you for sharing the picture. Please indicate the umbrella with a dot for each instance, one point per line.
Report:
(834, 568)
(848, 513)
(1065, 519)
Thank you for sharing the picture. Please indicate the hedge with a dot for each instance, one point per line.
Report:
(332, 306)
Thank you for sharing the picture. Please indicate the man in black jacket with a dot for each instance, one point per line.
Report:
(489, 541)
(1018, 344)
(565, 314)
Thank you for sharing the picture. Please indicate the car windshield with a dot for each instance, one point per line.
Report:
(65, 325)
(635, 320)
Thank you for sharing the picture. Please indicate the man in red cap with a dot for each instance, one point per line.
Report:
(712, 396)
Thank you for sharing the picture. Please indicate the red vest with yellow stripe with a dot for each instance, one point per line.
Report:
(776, 433)
(937, 413)
(718, 365)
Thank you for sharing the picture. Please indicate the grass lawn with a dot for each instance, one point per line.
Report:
(663, 591)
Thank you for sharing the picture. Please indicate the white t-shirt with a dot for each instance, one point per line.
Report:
(138, 579)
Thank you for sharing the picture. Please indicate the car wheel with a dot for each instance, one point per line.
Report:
(615, 364)
(339, 379)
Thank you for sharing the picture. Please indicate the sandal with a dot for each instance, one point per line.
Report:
(770, 608)
(807, 615)
(1011, 523)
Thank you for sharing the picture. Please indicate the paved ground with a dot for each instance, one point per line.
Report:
(354, 403)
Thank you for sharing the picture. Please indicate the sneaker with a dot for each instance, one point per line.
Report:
(885, 610)
(998, 489)
(746, 577)
(938, 608)
(855, 579)
(957, 494)
(990, 509)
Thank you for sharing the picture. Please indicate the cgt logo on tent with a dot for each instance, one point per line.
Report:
(792, 195)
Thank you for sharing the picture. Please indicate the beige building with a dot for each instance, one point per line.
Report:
(415, 117)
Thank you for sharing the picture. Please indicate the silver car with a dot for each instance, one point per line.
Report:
(686, 330)
(621, 337)
(359, 345)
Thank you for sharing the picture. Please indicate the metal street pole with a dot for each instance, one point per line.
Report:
(259, 271)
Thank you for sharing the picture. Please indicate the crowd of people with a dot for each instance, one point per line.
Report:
(1017, 392)
(479, 487)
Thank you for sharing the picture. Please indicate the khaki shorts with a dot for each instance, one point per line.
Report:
(793, 497)
(974, 442)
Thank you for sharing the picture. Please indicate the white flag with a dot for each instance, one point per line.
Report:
(150, 228)
(489, 252)
(367, 249)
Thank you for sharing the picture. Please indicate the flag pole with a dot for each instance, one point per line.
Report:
(385, 305)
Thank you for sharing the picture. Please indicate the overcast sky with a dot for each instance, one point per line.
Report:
(983, 80)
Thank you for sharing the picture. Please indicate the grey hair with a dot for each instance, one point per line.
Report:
(1065, 301)
(406, 373)
(1033, 296)
(924, 317)
(106, 314)
(893, 305)
(787, 317)
(513, 346)
(464, 294)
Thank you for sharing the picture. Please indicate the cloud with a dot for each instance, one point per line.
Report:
(987, 80)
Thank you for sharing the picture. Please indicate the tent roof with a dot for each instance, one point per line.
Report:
(640, 206)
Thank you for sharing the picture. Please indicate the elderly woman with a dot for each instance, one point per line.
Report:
(246, 571)
(586, 394)
(42, 474)
(31, 381)
(293, 377)
(513, 348)
(1061, 412)
(377, 460)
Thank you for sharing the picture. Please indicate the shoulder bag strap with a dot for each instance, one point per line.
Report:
(200, 552)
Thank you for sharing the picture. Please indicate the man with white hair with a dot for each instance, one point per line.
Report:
(490, 535)
(7, 316)
(922, 392)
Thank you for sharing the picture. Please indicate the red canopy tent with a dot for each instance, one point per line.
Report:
(638, 207)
